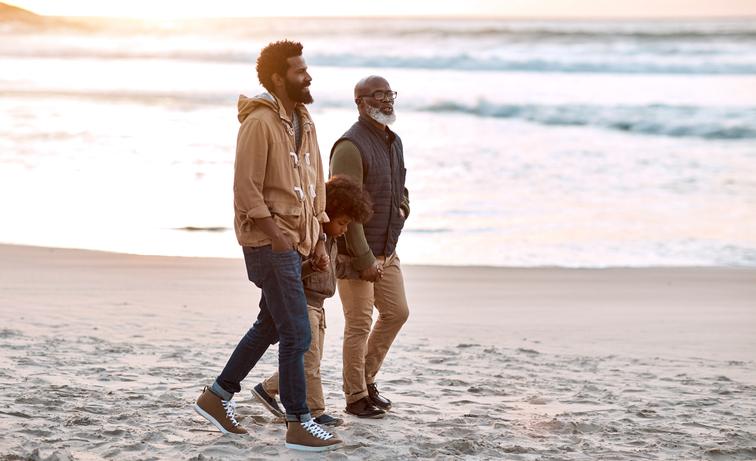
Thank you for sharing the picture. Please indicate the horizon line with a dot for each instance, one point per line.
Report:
(428, 17)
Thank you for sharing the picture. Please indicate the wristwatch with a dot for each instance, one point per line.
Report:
(322, 237)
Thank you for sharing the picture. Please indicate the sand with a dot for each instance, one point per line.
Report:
(101, 356)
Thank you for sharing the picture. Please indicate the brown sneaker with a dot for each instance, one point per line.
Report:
(309, 436)
(219, 412)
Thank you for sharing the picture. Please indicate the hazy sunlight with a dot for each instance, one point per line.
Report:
(149, 9)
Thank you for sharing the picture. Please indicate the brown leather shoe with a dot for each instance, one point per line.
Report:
(364, 408)
(219, 412)
(378, 400)
(310, 436)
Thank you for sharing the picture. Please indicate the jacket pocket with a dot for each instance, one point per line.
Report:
(287, 217)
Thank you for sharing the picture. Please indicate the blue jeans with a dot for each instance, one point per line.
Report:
(282, 318)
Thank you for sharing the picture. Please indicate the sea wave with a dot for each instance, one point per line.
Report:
(614, 31)
(601, 64)
(742, 29)
(680, 121)
(656, 119)
(573, 64)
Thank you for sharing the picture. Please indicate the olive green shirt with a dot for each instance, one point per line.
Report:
(347, 160)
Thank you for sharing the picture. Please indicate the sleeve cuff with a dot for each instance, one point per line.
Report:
(323, 218)
(259, 212)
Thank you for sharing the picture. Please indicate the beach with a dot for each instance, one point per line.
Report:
(580, 256)
(102, 355)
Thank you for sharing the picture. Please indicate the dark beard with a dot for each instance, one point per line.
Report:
(297, 93)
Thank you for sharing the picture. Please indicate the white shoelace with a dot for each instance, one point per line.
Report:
(314, 428)
(230, 407)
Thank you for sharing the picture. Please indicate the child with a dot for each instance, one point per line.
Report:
(345, 202)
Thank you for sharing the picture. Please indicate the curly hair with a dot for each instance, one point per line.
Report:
(344, 197)
(272, 60)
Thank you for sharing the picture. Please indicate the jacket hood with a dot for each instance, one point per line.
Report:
(266, 100)
(247, 105)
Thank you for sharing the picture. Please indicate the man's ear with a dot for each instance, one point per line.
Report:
(357, 101)
(277, 79)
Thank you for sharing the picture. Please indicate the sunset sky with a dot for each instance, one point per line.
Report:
(487, 8)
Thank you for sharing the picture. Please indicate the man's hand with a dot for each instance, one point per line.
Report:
(373, 273)
(281, 243)
(320, 258)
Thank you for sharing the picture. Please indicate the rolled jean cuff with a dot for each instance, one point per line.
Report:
(220, 392)
(303, 418)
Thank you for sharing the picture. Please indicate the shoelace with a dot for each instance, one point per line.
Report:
(230, 407)
(314, 428)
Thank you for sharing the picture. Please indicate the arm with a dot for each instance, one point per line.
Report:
(321, 259)
(319, 204)
(347, 160)
(405, 207)
(249, 177)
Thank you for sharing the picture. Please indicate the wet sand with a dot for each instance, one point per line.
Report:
(101, 356)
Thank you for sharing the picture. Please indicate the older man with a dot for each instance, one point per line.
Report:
(369, 269)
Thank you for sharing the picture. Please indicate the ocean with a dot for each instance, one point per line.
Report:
(527, 143)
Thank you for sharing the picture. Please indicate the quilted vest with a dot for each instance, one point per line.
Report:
(383, 176)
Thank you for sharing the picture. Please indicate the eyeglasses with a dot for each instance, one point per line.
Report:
(382, 95)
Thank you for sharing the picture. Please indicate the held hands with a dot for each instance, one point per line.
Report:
(373, 273)
(320, 258)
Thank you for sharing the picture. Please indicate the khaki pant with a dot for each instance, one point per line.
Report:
(365, 349)
(312, 357)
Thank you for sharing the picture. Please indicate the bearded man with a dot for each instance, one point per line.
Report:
(368, 266)
(279, 204)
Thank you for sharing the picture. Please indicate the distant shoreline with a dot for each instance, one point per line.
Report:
(21, 248)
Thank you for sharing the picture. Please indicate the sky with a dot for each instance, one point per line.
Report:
(503, 8)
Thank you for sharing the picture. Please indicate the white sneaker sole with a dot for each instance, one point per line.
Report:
(214, 422)
(298, 447)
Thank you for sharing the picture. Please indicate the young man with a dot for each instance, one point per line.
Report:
(346, 202)
(371, 154)
(279, 203)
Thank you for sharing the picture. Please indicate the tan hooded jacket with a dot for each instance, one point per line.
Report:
(272, 179)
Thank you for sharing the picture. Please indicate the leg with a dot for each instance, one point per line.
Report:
(391, 304)
(247, 353)
(312, 360)
(288, 308)
(357, 300)
(283, 317)
(270, 385)
(315, 400)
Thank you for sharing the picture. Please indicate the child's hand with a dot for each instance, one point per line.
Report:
(373, 273)
(320, 259)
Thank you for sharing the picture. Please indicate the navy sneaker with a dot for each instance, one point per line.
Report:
(267, 401)
(328, 420)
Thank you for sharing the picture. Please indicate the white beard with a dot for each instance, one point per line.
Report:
(379, 116)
